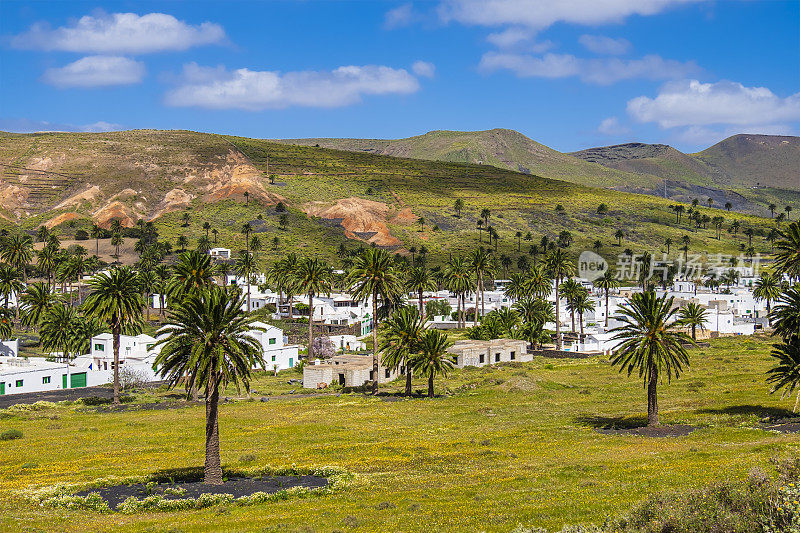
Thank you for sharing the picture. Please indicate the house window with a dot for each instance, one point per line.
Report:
(482, 359)
(388, 373)
(19, 383)
(496, 357)
(100, 347)
(273, 358)
(105, 365)
(513, 356)
(272, 340)
(45, 380)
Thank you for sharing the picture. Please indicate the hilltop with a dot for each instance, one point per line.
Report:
(312, 200)
(501, 148)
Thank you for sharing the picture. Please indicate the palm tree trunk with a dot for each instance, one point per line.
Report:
(421, 307)
(248, 295)
(310, 325)
(147, 305)
(558, 321)
(607, 311)
(483, 298)
(580, 319)
(375, 342)
(213, 466)
(477, 297)
(694, 336)
(408, 377)
(116, 333)
(572, 318)
(652, 399)
(796, 402)
(430, 384)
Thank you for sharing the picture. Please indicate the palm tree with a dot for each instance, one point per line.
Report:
(607, 282)
(419, 280)
(481, 263)
(619, 235)
(786, 314)
(282, 277)
(558, 268)
(208, 340)
(570, 290)
(402, 335)
(767, 288)
(459, 282)
(786, 372)
(693, 316)
(458, 206)
(314, 277)
(245, 267)
(96, 232)
(35, 302)
(582, 304)
(192, 271)
(485, 213)
(58, 327)
(373, 276)
(182, 242)
(207, 227)
(772, 208)
(728, 206)
(650, 344)
(685, 240)
(10, 284)
(185, 218)
(787, 257)
(540, 284)
(117, 241)
(6, 323)
(433, 358)
(17, 251)
(788, 210)
(115, 300)
(148, 279)
(215, 231)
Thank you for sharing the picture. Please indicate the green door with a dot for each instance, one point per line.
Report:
(64, 381)
(291, 362)
(2, 388)
(78, 380)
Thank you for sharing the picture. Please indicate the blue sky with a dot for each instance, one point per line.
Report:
(570, 74)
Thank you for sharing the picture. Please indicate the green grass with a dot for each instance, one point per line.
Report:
(508, 445)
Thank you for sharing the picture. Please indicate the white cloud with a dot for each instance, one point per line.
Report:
(423, 69)
(96, 71)
(24, 125)
(602, 71)
(120, 33)
(692, 103)
(539, 15)
(516, 36)
(600, 44)
(400, 16)
(218, 88)
(612, 127)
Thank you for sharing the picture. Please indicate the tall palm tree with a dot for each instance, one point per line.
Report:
(400, 342)
(786, 313)
(245, 267)
(433, 358)
(535, 313)
(162, 273)
(192, 271)
(786, 372)
(459, 281)
(17, 251)
(419, 280)
(481, 263)
(651, 344)
(540, 285)
(35, 302)
(767, 288)
(582, 304)
(571, 290)
(207, 227)
(373, 276)
(58, 327)
(282, 277)
(692, 316)
(607, 282)
(115, 300)
(558, 267)
(46, 261)
(517, 288)
(148, 279)
(787, 256)
(314, 277)
(10, 284)
(208, 339)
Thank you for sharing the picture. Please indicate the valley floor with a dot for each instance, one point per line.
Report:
(514, 444)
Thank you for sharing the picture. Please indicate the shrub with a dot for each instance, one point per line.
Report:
(11, 434)
(94, 400)
(81, 235)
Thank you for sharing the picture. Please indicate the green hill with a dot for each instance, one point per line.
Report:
(333, 197)
(502, 148)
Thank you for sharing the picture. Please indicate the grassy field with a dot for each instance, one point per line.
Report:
(504, 446)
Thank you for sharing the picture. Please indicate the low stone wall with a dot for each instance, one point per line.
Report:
(561, 354)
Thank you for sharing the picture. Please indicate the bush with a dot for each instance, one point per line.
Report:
(95, 400)
(11, 434)
(81, 235)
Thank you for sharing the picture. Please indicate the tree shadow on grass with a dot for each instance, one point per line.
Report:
(760, 411)
(612, 422)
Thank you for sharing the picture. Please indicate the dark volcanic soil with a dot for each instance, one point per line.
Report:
(678, 430)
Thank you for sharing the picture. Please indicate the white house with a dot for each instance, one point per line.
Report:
(136, 353)
(334, 309)
(277, 354)
(347, 343)
(220, 253)
(19, 375)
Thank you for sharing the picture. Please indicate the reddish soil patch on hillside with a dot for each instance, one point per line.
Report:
(364, 220)
(118, 210)
(60, 219)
